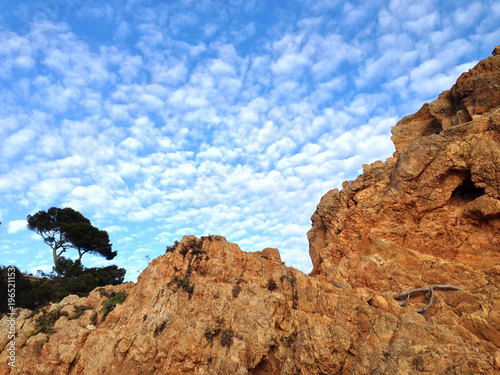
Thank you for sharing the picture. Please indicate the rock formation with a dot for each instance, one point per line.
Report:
(428, 216)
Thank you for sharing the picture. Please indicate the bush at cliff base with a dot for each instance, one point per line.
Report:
(74, 279)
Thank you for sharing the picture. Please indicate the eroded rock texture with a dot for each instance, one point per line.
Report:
(429, 215)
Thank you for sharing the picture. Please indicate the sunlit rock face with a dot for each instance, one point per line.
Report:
(429, 215)
(438, 196)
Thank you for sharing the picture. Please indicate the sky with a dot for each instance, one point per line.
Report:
(159, 119)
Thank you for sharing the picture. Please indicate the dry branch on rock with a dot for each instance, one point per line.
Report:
(404, 297)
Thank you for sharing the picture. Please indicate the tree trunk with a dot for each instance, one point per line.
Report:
(54, 254)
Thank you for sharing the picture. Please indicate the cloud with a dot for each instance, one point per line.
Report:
(210, 29)
(423, 25)
(211, 153)
(407, 9)
(16, 226)
(115, 229)
(218, 67)
(130, 68)
(495, 8)
(170, 74)
(46, 268)
(469, 15)
(93, 196)
(45, 192)
(143, 250)
(322, 5)
(289, 63)
(16, 53)
(18, 142)
(427, 83)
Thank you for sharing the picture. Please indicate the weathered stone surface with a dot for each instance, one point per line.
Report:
(433, 217)
(237, 321)
(430, 215)
(475, 93)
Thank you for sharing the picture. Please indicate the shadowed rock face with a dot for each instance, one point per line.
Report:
(429, 215)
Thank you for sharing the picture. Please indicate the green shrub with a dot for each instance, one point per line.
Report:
(192, 245)
(227, 335)
(171, 249)
(113, 300)
(210, 333)
(79, 310)
(227, 338)
(34, 293)
(45, 322)
(183, 283)
(289, 340)
(103, 292)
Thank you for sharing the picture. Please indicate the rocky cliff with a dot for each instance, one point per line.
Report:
(425, 221)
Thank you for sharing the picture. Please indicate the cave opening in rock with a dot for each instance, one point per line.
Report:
(467, 190)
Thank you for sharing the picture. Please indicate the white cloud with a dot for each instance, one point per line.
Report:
(123, 30)
(181, 20)
(47, 191)
(18, 180)
(151, 37)
(18, 142)
(93, 196)
(423, 25)
(290, 63)
(46, 268)
(58, 98)
(210, 29)
(194, 51)
(211, 153)
(408, 9)
(398, 85)
(16, 226)
(132, 144)
(322, 5)
(130, 68)
(219, 67)
(143, 250)
(16, 53)
(170, 75)
(430, 85)
(115, 229)
(468, 16)
(495, 8)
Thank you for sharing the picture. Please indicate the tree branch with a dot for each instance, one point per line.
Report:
(80, 253)
(404, 297)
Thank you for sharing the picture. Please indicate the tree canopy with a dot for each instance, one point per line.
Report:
(32, 292)
(65, 228)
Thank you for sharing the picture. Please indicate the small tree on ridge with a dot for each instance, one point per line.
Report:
(65, 228)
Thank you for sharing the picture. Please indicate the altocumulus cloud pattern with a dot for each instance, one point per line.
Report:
(160, 119)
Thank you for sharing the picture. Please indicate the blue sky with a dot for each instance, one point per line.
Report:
(161, 119)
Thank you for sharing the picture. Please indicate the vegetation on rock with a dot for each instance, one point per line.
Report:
(113, 300)
(35, 292)
(46, 321)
